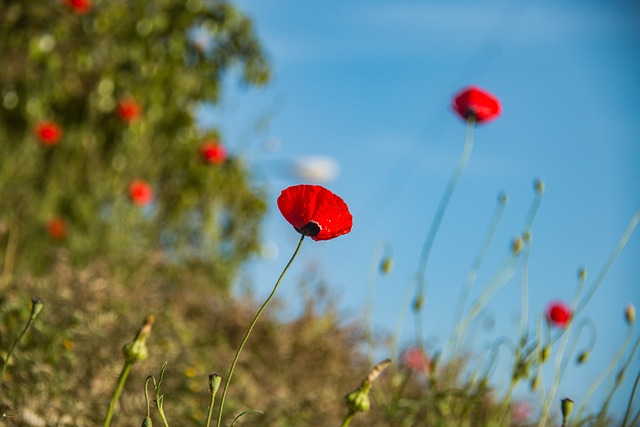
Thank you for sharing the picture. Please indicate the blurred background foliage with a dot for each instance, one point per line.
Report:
(72, 63)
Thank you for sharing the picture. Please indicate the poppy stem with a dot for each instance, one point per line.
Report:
(558, 371)
(621, 244)
(606, 372)
(246, 337)
(36, 308)
(437, 219)
(472, 274)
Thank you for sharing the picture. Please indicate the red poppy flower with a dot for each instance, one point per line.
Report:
(417, 360)
(315, 211)
(558, 314)
(49, 133)
(213, 152)
(128, 110)
(79, 6)
(57, 229)
(140, 192)
(476, 103)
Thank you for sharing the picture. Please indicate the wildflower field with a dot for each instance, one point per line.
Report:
(125, 228)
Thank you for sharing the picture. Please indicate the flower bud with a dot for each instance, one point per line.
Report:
(533, 385)
(214, 383)
(582, 274)
(582, 357)
(417, 303)
(36, 306)
(502, 198)
(385, 265)
(516, 246)
(147, 422)
(630, 314)
(137, 349)
(567, 407)
(538, 186)
(358, 400)
(545, 353)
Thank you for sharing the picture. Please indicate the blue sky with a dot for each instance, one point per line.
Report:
(369, 84)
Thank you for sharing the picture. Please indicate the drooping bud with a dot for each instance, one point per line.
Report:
(630, 314)
(147, 422)
(533, 385)
(516, 246)
(582, 274)
(385, 265)
(545, 353)
(582, 357)
(567, 407)
(418, 302)
(502, 198)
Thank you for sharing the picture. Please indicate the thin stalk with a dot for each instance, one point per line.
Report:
(36, 307)
(618, 381)
(373, 267)
(126, 369)
(619, 247)
(251, 326)
(472, 274)
(633, 393)
(347, 419)
(500, 278)
(558, 371)
(9, 255)
(435, 224)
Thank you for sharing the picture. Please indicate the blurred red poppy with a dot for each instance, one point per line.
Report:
(128, 110)
(57, 229)
(477, 104)
(315, 211)
(140, 192)
(558, 314)
(213, 152)
(79, 6)
(48, 133)
(417, 360)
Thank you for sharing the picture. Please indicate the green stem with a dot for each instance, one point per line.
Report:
(618, 382)
(251, 326)
(558, 371)
(163, 417)
(116, 394)
(633, 392)
(36, 307)
(500, 278)
(472, 274)
(621, 244)
(347, 419)
(437, 219)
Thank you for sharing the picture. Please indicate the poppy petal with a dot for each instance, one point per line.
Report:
(315, 211)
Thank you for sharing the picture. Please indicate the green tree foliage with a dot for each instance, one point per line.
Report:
(72, 63)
